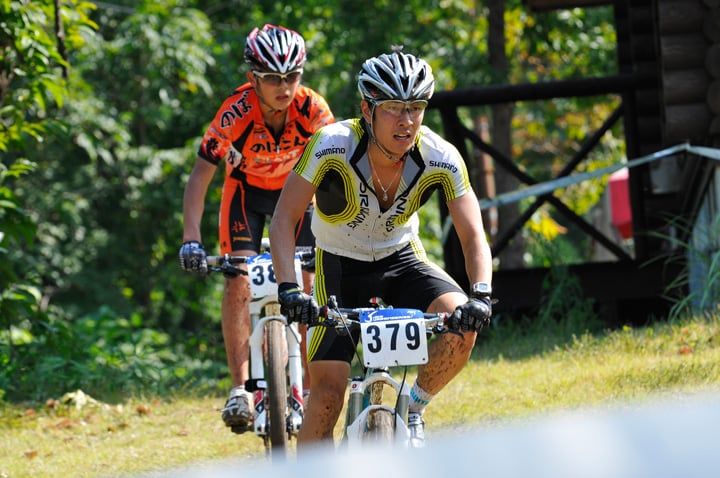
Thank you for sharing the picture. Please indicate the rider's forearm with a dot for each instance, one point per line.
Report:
(194, 199)
(193, 208)
(478, 262)
(192, 217)
(282, 248)
(467, 219)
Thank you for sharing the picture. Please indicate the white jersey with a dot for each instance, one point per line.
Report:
(348, 220)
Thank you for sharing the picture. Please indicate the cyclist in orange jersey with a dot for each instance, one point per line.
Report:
(259, 132)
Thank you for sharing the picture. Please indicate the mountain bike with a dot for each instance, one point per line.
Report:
(389, 337)
(276, 373)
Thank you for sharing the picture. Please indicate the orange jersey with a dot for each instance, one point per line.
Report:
(238, 136)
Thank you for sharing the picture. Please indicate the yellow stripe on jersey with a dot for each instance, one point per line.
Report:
(441, 177)
(419, 250)
(305, 158)
(352, 208)
(317, 333)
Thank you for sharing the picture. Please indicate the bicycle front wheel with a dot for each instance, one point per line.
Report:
(276, 393)
(380, 427)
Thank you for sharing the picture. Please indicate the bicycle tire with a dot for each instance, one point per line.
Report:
(276, 393)
(380, 429)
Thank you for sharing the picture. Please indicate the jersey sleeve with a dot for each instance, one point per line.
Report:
(216, 144)
(446, 168)
(326, 146)
(322, 114)
(460, 178)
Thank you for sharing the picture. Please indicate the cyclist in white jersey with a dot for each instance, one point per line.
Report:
(370, 175)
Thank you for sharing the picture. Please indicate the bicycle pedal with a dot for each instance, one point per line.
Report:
(240, 429)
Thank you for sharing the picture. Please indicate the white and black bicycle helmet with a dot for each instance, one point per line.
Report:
(395, 76)
(276, 49)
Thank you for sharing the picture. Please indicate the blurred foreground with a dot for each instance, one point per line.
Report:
(673, 437)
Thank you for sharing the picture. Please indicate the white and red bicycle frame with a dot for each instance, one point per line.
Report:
(263, 288)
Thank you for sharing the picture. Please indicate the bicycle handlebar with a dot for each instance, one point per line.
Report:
(227, 263)
(342, 318)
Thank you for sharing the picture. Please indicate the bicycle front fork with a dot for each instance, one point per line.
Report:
(360, 391)
(295, 374)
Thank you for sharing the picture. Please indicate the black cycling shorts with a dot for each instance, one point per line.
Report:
(244, 210)
(403, 279)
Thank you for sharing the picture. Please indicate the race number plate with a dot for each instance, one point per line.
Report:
(262, 277)
(392, 337)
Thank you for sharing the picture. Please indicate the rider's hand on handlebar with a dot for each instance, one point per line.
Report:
(193, 257)
(473, 315)
(296, 305)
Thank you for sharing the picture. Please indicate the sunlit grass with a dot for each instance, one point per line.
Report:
(102, 440)
(604, 369)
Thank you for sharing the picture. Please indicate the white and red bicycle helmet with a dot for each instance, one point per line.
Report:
(276, 49)
(395, 76)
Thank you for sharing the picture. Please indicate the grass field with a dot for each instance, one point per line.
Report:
(511, 377)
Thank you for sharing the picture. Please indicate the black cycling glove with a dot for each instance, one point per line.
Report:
(473, 315)
(296, 305)
(193, 257)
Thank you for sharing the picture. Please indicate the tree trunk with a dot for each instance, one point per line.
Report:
(60, 35)
(512, 256)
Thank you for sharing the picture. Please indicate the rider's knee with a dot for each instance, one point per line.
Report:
(327, 392)
(239, 284)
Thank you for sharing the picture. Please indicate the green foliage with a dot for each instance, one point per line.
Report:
(569, 43)
(693, 291)
(551, 245)
(29, 82)
(564, 303)
(431, 231)
(150, 74)
(31, 86)
(561, 45)
(14, 221)
(97, 144)
(107, 356)
(108, 191)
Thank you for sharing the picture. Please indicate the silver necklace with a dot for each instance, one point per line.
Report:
(377, 176)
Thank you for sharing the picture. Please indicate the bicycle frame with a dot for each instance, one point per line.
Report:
(257, 369)
(398, 337)
(274, 349)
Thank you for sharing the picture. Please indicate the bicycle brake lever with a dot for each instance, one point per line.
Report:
(230, 271)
